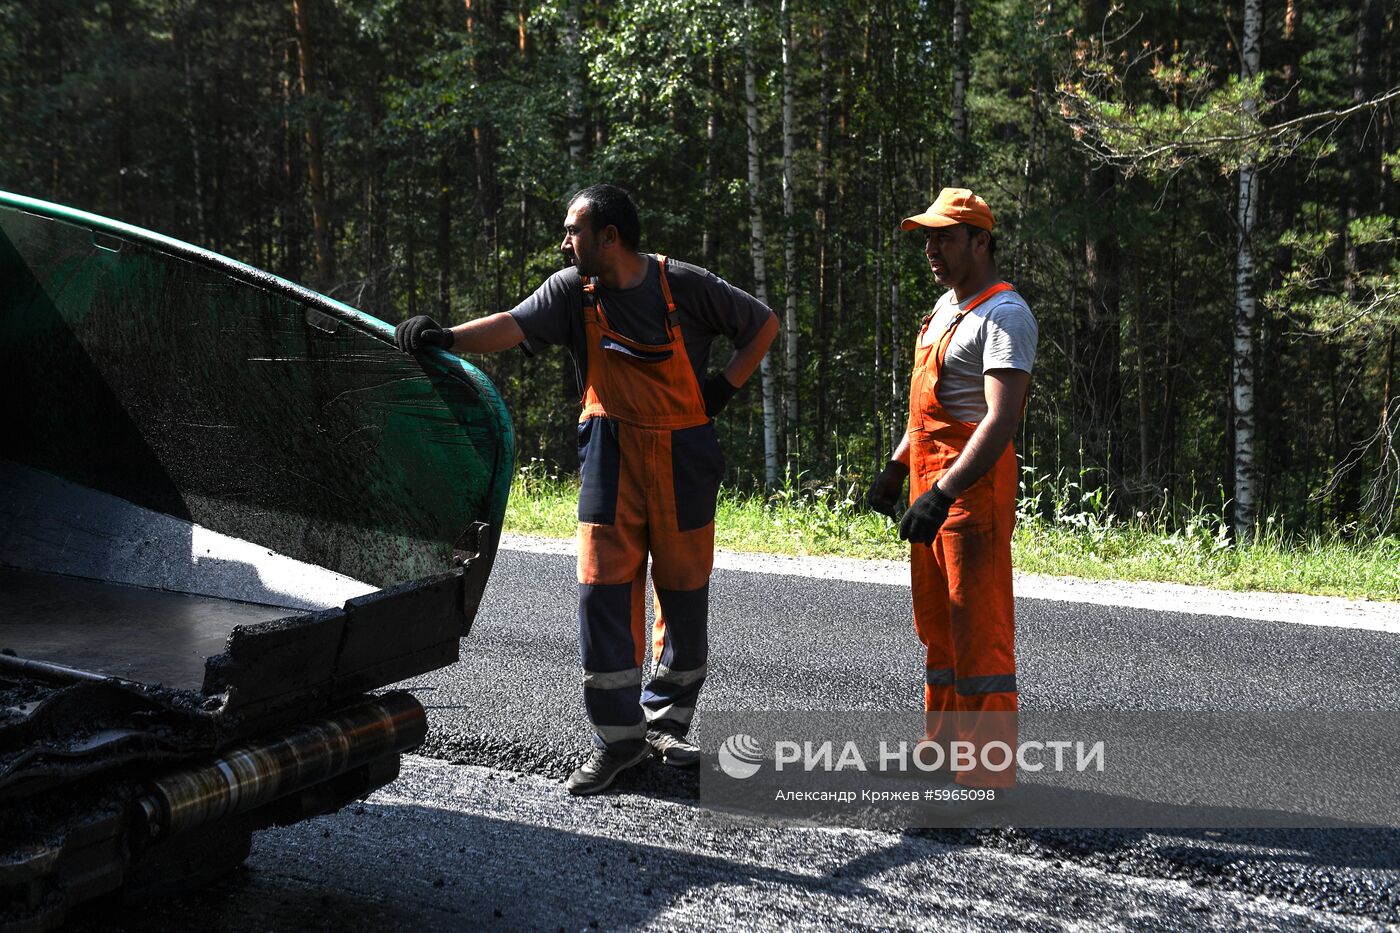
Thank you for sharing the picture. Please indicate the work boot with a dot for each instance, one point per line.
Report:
(601, 769)
(673, 749)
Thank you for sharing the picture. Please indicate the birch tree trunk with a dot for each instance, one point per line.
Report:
(823, 163)
(877, 413)
(760, 276)
(1246, 309)
(789, 249)
(760, 273)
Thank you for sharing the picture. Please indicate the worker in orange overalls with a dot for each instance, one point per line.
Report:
(972, 370)
(640, 328)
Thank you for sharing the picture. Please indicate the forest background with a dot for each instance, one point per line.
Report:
(1197, 199)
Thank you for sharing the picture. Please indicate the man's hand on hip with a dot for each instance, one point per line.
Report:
(717, 392)
(925, 517)
(420, 332)
(884, 493)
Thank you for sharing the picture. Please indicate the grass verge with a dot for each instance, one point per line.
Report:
(826, 521)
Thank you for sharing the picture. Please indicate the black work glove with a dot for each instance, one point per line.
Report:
(717, 393)
(925, 517)
(883, 496)
(421, 332)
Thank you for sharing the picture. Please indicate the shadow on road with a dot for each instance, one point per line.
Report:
(378, 867)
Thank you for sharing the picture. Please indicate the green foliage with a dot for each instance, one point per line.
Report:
(1187, 114)
(449, 149)
(1079, 537)
(542, 502)
(806, 518)
(1363, 309)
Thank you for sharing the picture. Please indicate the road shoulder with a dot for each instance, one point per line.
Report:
(1327, 611)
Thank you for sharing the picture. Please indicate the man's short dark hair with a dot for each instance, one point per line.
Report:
(973, 230)
(609, 204)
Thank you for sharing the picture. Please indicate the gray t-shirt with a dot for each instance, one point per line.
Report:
(1000, 333)
(707, 307)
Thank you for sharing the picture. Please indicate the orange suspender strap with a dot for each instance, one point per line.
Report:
(993, 290)
(941, 353)
(590, 295)
(996, 289)
(957, 318)
(672, 318)
(592, 307)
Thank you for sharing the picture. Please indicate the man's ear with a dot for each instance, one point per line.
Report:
(608, 236)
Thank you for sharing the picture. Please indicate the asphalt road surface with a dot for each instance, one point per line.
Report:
(478, 831)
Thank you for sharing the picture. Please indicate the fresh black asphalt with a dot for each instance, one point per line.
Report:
(481, 833)
(802, 643)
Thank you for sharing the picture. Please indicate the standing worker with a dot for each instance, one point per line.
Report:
(972, 370)
(639, 328)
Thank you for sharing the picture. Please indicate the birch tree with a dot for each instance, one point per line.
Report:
(822, 218)
(756, 246)
(1246, 307)
(790, 384)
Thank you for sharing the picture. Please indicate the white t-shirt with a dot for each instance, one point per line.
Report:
(1000, 333)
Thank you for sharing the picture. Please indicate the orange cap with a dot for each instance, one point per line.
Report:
(954, 206)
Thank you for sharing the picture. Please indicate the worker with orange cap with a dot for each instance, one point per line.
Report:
(972, 370)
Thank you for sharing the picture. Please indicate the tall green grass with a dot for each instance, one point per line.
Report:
(1062, 530)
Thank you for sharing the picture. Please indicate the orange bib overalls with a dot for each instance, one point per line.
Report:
(963, 608)
(651, 468)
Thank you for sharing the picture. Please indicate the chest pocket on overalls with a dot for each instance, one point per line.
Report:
(659, 355)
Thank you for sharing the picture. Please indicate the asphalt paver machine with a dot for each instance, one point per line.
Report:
(231, 515)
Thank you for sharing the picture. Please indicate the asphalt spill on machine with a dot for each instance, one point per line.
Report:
(230, 511)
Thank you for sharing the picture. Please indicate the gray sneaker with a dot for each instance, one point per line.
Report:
(601, 769)
(672, 749)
